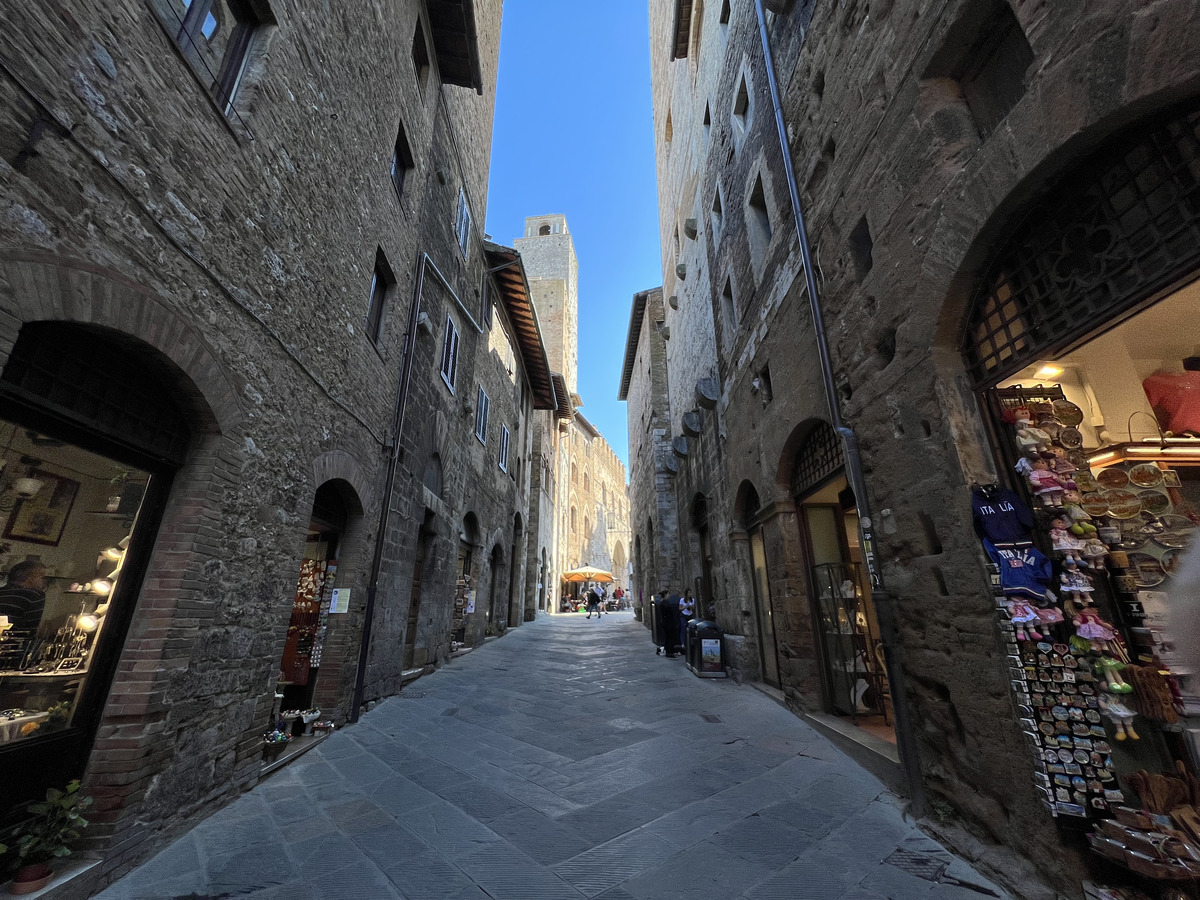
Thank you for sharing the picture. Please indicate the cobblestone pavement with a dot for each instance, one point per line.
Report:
(565, 760)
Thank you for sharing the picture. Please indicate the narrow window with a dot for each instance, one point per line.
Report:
(668, 131)
(402, 161)
(572, 519)
(503, 448)
(707, 121)
(718, 213)
(420, 57)
(216, 38)
(381, 281)
(450, 354)
(487, 302)
(741, 108)
(724, 17)
(462, 223)
(860, 248)
(482, 403)
(764, 385)
(729, 317)
(758, 222)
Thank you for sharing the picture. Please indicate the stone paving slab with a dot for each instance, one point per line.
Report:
(564, 761)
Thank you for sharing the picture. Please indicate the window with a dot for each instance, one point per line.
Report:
(724, 17)
(729, 317)
(381, 281)
(504, 438)
(402, 161)
(544, 230)
(741, 109)
(450, 354)
(668, 130)
(420, 57)
(216, 38)
(758, 222)
(462, 224)
(482, 405)
(707, 121)
(860, 248)
(487, 302)
(572, 519)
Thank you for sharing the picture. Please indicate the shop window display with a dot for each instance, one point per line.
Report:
(68, 515)
(1088, 556)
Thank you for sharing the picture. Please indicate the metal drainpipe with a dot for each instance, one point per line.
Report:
(883, 601)
(410, 344)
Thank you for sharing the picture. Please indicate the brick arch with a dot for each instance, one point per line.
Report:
(44, 287)
(341, 465)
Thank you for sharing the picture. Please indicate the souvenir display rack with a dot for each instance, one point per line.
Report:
(1076, 557)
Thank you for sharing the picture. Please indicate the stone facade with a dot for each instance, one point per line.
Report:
(911, 168)
(231, 231)
(581, 510)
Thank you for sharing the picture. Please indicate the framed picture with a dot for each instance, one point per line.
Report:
(42, 519)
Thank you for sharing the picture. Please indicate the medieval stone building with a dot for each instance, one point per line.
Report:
(265, 390)
(1000, 202)
(580, 512)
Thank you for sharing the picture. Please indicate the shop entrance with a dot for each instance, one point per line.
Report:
(1083, 344)
(309, 623)
(768, 648)
(853, 673)
(89, 442)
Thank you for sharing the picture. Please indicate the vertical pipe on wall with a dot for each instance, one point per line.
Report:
(883, 601)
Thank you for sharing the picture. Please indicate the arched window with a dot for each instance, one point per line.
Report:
(544, 230)
(572, 518)
(587, 482)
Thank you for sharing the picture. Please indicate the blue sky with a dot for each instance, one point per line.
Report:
(574, 135)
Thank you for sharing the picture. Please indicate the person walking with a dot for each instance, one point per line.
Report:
(687, 612)
(593, 602)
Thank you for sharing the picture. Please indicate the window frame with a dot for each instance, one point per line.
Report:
(402, 160)
(505, 438)
(483, 405)
(450, 346)
(382, 281)
(463, 222)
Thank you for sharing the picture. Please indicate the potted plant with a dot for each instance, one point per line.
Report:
(56, 823)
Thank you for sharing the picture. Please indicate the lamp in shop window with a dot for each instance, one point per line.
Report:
(24, 487)
(1165, 448)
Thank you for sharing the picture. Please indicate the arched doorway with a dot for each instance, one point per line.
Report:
(514, 586)
(854, 679)
(425, 538)
(315, 603)
(94, 426)
(464, 585)
(495, 621)
(704, 582)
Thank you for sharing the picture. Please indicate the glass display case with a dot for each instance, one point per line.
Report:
(853, 652)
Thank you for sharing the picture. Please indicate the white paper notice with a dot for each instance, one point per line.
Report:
(339, 602)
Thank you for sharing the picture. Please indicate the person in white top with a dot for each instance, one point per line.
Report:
(687, 611)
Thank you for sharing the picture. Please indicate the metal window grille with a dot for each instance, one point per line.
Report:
(819, 458)
(1112, 235)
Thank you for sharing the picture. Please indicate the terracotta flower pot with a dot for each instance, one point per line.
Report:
(31, 878)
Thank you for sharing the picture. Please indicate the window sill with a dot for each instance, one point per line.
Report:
(76, 868)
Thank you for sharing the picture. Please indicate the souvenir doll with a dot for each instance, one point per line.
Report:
(1076, 585)
(1024, 618)
(1121, 717)
(1110, 670)
(1045, 484)
(1095, 552)
(1032, 441)
(1064, 541)
(1061, 463)
(1089, 625)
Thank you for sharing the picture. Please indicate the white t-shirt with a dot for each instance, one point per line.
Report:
(687, 606)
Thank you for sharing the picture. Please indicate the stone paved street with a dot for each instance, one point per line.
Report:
(565, 760)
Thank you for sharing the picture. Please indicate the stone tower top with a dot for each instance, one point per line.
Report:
(539, 226)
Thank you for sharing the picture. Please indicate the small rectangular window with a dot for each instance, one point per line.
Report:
(487, 302)
(462, 223)
(420, 57)
(504, 448)
(402, 161)
(450, 354)
(216, 37)
(381, 281)
(481, 415)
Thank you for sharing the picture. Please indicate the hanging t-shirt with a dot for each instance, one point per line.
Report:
(1000, 516)
(1024, 571)
(1175, 399)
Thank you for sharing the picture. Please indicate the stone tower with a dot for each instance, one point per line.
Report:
(553, 272)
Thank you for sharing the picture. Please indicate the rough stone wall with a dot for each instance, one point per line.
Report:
(652, 507)
(553, 272)
(598, 495)
(900, 162)
(127, 200)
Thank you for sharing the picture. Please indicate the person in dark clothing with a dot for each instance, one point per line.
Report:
(670, 621)
(593, 602)
(23, 597)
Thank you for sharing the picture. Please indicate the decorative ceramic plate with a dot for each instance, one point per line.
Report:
(1070, 438)
(1113, 478)
(1123, 504)
(1177, 532)
(1171, 561)
(1146, 475)
(1093, 504)
(1132, 537)
(1067, 412)
(1084, 479)
(1155, 502)
(1147, 570)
